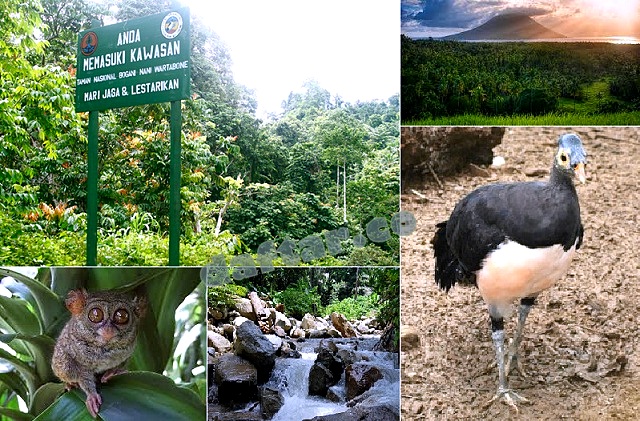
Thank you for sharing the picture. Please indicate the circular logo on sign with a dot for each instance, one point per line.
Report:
(171, 25)
(89, 43)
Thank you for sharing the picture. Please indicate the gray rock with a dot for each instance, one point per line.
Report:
(271, 400)
(244, 307)
(218, 342)
(237, 380)
(325, 372)
(253, 345)
(358, 413)
(308, 322)
(360, 377)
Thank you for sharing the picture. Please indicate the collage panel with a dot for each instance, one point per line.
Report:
(577, 352)
(304, 343)
(102, 343)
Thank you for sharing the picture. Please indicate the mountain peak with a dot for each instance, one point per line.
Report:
(507, 26)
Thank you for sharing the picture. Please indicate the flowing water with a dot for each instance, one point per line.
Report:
(291, 377)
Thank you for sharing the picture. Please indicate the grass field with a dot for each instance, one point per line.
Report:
(559, 119)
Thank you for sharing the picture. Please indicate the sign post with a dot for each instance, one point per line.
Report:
(139, 61)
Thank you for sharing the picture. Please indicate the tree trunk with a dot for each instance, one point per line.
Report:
(344, 191)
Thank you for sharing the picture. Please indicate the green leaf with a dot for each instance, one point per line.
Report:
(16, 313)
(15, 415)
(45, 396)
(40, 350)
(16, 383)
(49, 305)
(131, 397)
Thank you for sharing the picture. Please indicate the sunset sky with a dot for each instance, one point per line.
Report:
(573, 18)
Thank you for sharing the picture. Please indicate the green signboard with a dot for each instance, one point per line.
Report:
(140, 61)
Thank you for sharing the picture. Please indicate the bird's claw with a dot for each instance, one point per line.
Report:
(509, 397)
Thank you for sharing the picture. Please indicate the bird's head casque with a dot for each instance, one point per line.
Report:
(571, 156)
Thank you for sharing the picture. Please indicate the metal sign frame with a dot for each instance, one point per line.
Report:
(139, 61)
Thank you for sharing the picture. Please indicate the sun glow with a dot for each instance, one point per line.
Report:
(618, 9)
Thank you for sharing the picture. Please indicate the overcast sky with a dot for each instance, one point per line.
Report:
(574, 18)
(351, 48)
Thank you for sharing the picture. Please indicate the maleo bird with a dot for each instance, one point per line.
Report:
(513, 241)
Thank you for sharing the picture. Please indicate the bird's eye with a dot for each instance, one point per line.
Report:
(96, 315)
(121, 316)
(564, 158)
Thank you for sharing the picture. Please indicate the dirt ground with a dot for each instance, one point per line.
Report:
(581, 347)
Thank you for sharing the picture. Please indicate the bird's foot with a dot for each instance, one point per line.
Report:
(509, 397)
(110, 373)
(514, 361)
(93, 404)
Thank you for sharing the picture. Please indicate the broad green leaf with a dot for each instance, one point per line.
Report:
(49, 305)
(16, 383)
(15, 415)
(16, 313)
(45, 396)
(27, 372)
(40, 349)
(132, 396)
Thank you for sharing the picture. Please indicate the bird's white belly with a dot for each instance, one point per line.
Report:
(515, 271)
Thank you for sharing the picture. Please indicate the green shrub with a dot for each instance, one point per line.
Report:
(354, 308)
(300, 299)
(225, 295)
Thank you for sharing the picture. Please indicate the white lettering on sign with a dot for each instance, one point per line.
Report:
(171, 66)
(111, 93)
(159, 86)
(164, 49)
(106, 60)
(129, 37)
(126, 73)
(84, 81)
(145, 71)
(91, 96)
(104, 78)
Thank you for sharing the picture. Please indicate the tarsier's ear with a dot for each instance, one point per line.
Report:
(76, 300)
(140, 305)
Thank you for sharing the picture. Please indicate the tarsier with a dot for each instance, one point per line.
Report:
(97, 340)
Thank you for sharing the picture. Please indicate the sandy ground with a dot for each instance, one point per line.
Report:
(581, 347)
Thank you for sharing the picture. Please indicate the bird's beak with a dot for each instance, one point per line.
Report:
(579, 170)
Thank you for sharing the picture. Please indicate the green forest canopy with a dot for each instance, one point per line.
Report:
(449, 78)
(320, 164)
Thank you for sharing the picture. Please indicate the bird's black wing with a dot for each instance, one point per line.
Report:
(533, 214)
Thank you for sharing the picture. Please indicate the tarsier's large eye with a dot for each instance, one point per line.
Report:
(121, 316)
(96, 315)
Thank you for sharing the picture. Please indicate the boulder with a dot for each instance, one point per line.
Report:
(238, 321)
(325, 372)
(297, 333)
(279, 331)
(245, 308)
(271, 400)
(218, 342)
(341, 323)
(359, 378)
(308, 322)
(282, 321)
(237, 380)
(252, 345)
(360, 413)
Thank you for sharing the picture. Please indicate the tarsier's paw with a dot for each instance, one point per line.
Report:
(93, 404)
(110, 373)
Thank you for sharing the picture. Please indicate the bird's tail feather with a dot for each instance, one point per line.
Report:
(449, 270)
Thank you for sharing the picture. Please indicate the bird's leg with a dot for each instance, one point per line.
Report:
(497, 334)
(513, 359)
